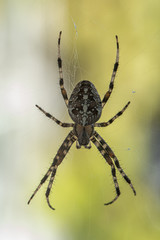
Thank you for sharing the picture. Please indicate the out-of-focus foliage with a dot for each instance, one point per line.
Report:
(29, 141)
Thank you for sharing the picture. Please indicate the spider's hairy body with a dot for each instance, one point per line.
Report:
(83, 134)
(85, 108)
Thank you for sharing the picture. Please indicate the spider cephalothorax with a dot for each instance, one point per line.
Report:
(83, 134)
(85, 108)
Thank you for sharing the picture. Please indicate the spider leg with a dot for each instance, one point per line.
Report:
(112, 155)
(55, 119)
(109, 161)
(49, 187)
(42, 181)
(61, 83)
(111, 85)
(66, 145)
(104, 124)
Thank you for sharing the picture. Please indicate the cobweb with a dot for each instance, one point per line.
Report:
(73, 70)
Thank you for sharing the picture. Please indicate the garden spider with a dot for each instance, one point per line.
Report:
(85, 108)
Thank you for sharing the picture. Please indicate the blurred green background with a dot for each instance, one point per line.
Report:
(29, 141)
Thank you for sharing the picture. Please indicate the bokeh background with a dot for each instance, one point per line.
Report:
(29, 141)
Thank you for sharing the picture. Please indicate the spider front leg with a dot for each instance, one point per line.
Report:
(112, 155)
(61, 83)
(55, 119)
(50, 186)
(104, 124)
(42, 181)
(113, 170)
(66, 145)
(111, 85)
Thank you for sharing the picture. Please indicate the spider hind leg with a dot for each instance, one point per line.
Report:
(111, 85)
(61, 82)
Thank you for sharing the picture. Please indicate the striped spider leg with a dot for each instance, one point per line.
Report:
(105, 124)
(108, 154)
(110, 162)
(61, 83)
(66, 145)
(111, 85)
(55, 119)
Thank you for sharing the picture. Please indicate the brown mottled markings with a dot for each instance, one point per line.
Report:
(85, 108)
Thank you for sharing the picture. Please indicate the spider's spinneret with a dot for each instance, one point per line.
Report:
(85, 106)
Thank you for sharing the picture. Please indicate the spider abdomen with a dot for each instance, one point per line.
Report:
(85, 105)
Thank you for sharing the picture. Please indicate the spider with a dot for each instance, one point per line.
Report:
(85, 108)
